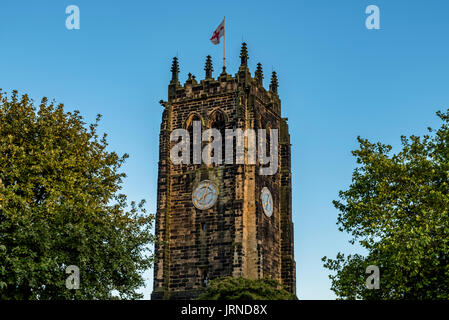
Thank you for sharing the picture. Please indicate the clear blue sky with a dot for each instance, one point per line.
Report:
(337, 80)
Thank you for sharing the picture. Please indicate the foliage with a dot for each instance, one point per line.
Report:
(229, 288)
(397, 209)
(60, 205)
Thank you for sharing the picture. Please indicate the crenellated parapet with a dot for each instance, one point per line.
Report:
(225, 83)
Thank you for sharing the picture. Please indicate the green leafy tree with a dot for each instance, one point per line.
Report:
(397, 208)
(229, 288)
(60, 205)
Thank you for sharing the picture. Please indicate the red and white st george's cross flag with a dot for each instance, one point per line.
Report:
(218, 33)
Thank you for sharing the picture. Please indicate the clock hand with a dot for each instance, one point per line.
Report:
(204, 195)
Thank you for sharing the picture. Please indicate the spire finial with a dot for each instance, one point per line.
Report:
(243, 55)
(209, 68)
(259, 74)
(274, 83)
(174, 70)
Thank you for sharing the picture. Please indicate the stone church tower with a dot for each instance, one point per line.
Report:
(236, 233)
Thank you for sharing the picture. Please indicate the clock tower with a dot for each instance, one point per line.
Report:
(227, 218)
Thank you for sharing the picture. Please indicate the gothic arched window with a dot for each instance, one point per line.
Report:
(268, 139)
(189, 126)
(217, 121)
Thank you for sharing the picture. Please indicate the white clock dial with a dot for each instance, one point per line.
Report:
(205, 195)
(267, 201)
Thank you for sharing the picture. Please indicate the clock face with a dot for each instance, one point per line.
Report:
(205, 195)
(267, 201)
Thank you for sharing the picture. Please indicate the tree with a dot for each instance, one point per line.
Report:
(397, 208)
(60, 205)
(229, 288)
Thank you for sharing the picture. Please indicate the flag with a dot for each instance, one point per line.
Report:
(218, 33)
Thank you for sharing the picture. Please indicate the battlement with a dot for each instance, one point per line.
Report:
(224, 84)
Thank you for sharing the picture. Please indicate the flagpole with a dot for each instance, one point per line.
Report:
(224, 43)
